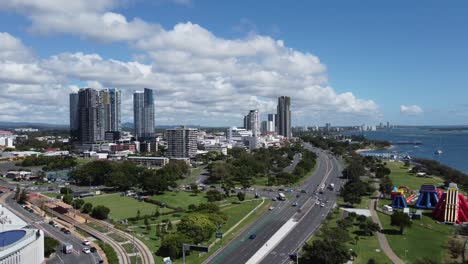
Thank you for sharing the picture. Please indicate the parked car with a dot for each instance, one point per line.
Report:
(295, 204)
(86, 250)
(252, 236)
(93, 249)
(67, 231)
(85, 242)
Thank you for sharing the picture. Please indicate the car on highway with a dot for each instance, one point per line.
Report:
(85, 242)
(252, 236)
(86, 250)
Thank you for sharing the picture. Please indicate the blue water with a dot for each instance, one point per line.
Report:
(454, 144)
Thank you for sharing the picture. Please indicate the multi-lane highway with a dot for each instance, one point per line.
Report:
(308, 214)
(38, 222)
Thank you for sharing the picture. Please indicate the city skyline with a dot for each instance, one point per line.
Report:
(209, 73)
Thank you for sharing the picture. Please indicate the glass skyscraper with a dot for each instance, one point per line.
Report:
(143, 114)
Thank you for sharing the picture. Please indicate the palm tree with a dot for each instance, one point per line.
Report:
(401, 220)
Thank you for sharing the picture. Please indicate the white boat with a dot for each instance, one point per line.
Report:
(438, 152)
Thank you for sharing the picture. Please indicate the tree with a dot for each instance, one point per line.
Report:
(169, 226)
(157, 213)
(78, 203)
(456, 248)
(67, 198)
(49, 246)
(196, 226)
(194, 188)
(100, 212)
(138, 215)
(400, 220)
(386, 186)
(371, 261)
(382, 171)
(147, 225)
(87, 208)
(66, 190)
(325, 251)
(158, 230)
(241, 196)
(171, 245)
(23, 198)
(214, 195)
(368, 227)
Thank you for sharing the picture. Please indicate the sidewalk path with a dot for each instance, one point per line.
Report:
(381, 237)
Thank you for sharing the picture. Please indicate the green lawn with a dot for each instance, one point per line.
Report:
(123, 207)
(426, 238)
(180, 199)
(400, 176)
(50, 194)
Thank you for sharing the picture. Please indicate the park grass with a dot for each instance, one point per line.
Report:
(401, 176)
(426, 238)
(135, 259)
(116, 237)
(97, 227)
(180, 199)
(50, 194)
(82, 161)
(123, 207)
(129, 248)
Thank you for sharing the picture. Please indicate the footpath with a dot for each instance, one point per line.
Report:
(381, 237)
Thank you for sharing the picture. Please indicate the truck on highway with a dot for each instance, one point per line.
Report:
(281, 197)
(67, 248)
(331, 186)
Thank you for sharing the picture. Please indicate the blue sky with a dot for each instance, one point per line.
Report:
(405, 62)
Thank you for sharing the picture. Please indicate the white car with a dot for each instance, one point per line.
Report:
(86, 250)
(271, 208)
(86, 243)
(322, 205)
(317, 202)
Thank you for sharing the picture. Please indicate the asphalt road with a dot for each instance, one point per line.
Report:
(309, 224)
(240, 250)
(33, 219)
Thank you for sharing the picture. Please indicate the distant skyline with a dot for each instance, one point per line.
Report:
(210, 62)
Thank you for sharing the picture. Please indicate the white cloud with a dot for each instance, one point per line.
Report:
(86, 18)
(411, 110)
(198, 77)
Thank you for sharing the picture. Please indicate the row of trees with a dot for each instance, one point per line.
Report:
(244, 167)
(123, 175)
(48, 163)
(433, 167)
(195, 227)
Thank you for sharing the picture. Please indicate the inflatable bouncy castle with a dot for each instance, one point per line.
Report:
(452, 207)
(428, 197)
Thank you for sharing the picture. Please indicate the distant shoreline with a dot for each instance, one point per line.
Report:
(359, 151)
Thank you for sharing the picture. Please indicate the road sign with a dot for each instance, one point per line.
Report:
(219, 235)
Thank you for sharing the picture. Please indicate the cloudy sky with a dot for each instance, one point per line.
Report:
(209, 62)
